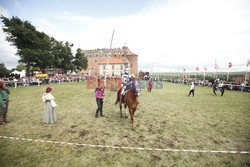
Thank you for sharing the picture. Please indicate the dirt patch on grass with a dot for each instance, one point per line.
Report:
(71, 131)
(73, 126)
(155, 157)
(83, 133)
(47, 136)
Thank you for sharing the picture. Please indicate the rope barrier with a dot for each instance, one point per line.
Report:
(128, 148)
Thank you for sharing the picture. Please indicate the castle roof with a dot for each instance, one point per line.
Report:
(113, 61)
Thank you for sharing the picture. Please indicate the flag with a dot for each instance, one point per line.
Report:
(230, 65)
(205, 68)
(197, 68)
(184, 69)
(248, 62)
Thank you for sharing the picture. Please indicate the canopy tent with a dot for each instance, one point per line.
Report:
(21, 73)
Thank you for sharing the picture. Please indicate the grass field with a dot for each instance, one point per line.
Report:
(165, 118)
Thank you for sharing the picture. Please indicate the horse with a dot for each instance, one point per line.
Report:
(220, 87)
(130, 100)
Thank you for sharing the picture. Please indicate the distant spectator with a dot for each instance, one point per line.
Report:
(191, 89)
(49, 108)
(4, 102)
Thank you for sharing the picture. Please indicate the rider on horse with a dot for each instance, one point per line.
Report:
(217, 82)
(218, 85)
(126, 82)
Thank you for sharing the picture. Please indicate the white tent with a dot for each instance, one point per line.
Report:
(21, 73)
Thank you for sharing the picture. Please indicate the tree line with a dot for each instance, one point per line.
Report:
(38, 50)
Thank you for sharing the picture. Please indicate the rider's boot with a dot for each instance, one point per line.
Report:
(121, 97)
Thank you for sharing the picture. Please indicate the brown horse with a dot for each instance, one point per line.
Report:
(129, 100)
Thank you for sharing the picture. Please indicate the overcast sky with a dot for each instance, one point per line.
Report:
(168, 35)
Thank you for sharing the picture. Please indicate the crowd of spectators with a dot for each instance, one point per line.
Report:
(30, 81)
(233, 85)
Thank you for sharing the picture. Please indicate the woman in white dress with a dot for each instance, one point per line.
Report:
(49, 107)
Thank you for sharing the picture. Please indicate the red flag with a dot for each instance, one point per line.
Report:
(230, 65)
(197, 68)
(184, 69)
(205, 68)
(248, 62)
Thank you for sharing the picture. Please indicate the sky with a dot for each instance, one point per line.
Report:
(167, 35)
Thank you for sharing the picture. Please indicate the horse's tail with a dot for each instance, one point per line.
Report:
(118, 97)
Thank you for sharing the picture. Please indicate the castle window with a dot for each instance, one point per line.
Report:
(122, 55)
(115, 55)
(113, 67)
(104, 68)
(95, 60)
(121, 67)
(131, 65)
(113, 74)
(96, 55)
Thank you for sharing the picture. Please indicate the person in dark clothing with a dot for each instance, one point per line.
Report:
(99, 94)
(191, 89)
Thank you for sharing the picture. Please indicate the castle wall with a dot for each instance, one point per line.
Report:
(96, 56)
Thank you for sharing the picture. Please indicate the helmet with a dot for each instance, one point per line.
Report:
(126, 71)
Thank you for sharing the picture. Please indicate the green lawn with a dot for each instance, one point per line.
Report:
(165, 118)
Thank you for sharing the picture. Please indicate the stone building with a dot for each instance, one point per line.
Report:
(111, 63)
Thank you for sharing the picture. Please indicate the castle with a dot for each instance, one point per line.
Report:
(111, 63)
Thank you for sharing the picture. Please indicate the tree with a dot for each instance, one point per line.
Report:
(3, 70)
(37, 49)
(67, 57)
(21, 67)
(62, 55)
(80, 62)
(33, 47)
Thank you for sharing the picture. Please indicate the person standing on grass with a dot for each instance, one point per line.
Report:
(4, 103)
(99, 94)
(192, 89)
(49, 107)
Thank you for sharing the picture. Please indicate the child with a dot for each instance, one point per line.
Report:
(49, 107)
(4, 102)
(99, 94)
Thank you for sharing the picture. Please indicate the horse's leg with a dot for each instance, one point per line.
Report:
(120, 110)
(214, 91)
(222, 91)
(132, 118)
(125, 111)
